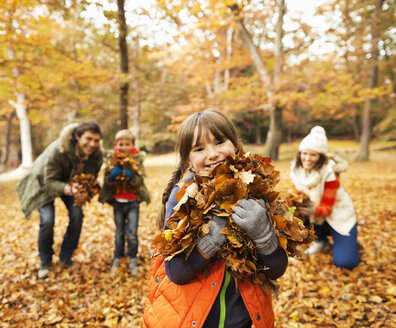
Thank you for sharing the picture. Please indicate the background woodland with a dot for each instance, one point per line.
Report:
(148, 65)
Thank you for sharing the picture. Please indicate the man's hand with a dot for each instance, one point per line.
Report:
(81, 197)
(71, 190)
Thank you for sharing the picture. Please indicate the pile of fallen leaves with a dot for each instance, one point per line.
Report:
(295, 199)
(87, 186)
(314, 293)
(215, 193)
(124, 161)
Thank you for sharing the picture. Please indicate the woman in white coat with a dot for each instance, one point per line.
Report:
(315, 172)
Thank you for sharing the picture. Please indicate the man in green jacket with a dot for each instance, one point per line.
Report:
(75, 151)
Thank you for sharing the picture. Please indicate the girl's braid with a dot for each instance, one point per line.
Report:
(177, 175)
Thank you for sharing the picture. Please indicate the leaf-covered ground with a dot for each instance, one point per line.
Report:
(313, 292)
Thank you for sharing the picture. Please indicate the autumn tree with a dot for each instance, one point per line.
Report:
(124, 85)
(252, 70)
(361, 37)
(363, 153)
(47, 67)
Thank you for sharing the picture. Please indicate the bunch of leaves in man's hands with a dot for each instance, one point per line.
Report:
(215, 193)
(295, 199)
(124, 161)
(87, 186)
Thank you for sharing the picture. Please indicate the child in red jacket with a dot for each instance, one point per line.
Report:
(125, 203)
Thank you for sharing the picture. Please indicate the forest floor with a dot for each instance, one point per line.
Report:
(313, 292)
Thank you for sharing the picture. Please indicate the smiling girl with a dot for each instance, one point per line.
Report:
(199, 291)
(314, 172)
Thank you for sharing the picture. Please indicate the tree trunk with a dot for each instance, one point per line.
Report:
(254, 53)
(230, 32)
(258, 132)
(21, 112)
(364, 153)
(136, 86)
(274, 136)
(26, 136)
(124, 85)
(6, 149)
(355, 127)
(275, 128)
(289, 134)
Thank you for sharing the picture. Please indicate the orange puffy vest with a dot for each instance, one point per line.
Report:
(169, 305)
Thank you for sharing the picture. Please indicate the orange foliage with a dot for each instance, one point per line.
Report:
(215, 193)
(122, 160)
(87, 186)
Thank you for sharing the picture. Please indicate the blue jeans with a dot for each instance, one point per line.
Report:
(46, 231)
(345, 248)
(126, 219)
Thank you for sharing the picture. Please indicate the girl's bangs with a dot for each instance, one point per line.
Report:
(215, 126)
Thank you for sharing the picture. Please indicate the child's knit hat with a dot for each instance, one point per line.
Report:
(316, 140)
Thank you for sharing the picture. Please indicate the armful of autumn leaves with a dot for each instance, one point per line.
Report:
(124, 161)
(89, 186)
(214, 193)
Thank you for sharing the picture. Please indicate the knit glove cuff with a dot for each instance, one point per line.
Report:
(208, 246)
(212, 242)
(267, 244)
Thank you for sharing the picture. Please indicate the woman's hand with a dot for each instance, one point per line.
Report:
(307, 211)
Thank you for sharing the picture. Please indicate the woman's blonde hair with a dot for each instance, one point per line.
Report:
(208, 120)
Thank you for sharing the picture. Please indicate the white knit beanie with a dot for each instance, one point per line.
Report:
(316, 140)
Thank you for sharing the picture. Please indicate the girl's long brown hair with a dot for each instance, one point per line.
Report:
(208, 120)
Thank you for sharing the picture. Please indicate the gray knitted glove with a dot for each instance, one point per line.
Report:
(211, 243)
(251, 216)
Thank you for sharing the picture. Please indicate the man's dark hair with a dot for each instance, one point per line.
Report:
(87, 126)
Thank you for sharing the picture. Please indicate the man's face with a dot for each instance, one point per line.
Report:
(87, 143)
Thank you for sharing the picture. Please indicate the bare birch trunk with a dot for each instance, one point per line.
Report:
(26, 136)
(24, 123)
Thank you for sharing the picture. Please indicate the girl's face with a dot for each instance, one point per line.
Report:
(309, 159)
(208, 152)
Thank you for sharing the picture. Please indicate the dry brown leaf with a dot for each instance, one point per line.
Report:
(216, 192)
(87, 186)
